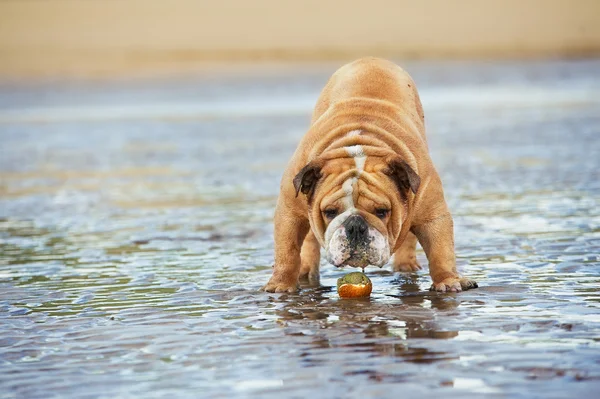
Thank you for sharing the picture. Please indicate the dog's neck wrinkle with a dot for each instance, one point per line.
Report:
(366, 143)
(356, 110)
(365, 138)
(376, 140)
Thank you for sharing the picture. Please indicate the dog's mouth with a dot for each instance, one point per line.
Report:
(347, 248)
(356, 258)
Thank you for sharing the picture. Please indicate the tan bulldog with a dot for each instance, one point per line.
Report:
(361, 184)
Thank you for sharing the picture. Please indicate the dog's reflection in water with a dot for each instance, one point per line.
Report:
(371, 325)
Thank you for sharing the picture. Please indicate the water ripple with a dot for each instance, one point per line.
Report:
(132, 251)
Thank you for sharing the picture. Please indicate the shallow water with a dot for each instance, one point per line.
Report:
(135, 232)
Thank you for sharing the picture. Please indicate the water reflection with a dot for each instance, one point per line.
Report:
(131, 257)
(365, 325)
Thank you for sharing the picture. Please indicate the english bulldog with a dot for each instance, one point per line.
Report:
(362, 186)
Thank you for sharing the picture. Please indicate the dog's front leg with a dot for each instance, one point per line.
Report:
(290, 230)
(437, 239)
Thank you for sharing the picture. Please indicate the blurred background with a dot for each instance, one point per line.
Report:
(142, 145)
(91, 38)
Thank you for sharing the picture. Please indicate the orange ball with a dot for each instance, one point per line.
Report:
(354, 285)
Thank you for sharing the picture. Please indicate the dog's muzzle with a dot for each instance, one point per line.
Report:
(352, 242)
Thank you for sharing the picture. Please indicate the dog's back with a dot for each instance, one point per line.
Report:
(372, 78)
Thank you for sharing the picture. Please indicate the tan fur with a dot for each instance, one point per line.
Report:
(380, 99)
(310, 259)
(405, 257)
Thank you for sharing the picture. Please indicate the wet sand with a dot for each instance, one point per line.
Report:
(136, 230)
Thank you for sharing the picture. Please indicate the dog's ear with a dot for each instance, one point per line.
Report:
(306, 180)
(404, 176)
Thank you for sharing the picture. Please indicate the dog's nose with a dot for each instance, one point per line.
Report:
(356, 229)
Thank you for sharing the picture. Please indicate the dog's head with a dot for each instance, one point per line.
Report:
(357, 204)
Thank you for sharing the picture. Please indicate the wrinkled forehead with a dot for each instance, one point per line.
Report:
(354, 162)
(355, 184)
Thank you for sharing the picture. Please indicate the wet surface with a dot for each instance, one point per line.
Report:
(135, 232)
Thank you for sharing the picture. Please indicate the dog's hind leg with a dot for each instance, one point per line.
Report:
(310, 257)
(405, 257)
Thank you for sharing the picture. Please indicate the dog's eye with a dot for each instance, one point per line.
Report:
(330, 213)
(381, 213)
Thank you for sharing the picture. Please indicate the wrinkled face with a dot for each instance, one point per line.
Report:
(355, 225)
(356, 206)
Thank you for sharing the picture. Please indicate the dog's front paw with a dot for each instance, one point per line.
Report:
(454, 284)
(468, 284)
(276, 285)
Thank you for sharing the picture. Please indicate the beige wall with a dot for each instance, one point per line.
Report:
(108, 36)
